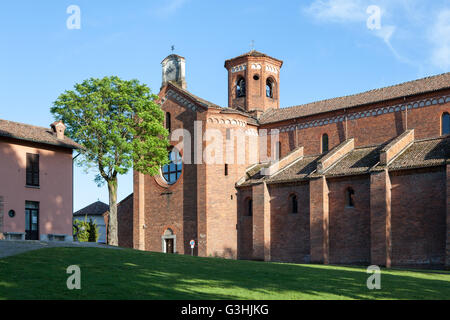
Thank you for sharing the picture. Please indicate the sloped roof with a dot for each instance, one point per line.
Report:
(207, 104)
(424, 153)
(27, 132)
(429, 84)
(358, 161)
(362, 160)
(253, 53)
(197, 99)
(95, 209)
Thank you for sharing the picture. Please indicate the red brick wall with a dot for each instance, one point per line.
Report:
(447, 254)
(125, 222)
(261, 203)
(174, 206)
(368, 130)
(221, 201)
(380, 218)
(290, 232)
(245, 225)
(418, 217)
(255, 89)
(319, 220)
(349, 227)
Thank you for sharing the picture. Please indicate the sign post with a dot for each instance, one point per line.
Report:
(192, 243)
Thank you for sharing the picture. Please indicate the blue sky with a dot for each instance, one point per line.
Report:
(326, 45)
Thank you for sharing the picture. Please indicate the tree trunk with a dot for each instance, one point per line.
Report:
(113, 238)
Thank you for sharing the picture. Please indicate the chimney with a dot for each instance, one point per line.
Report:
(174, 70)
(58, 127)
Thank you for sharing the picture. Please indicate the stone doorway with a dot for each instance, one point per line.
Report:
(169, 241)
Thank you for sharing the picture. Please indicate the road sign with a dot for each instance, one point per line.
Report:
(192, 243)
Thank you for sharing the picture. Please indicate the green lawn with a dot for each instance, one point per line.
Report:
(129, 274)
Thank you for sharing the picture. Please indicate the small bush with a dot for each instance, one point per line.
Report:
(85, 231)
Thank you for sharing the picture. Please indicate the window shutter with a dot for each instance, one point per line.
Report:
(32, 170)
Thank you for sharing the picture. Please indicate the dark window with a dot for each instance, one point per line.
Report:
(168, 122)
(226, 169)
(269, 88)
(240, 88)
(278, 151)
(294, 204)
(325, 143)
(350, 200)
(228, 134)
(445, 123)
(32, 171)
(250, 207)
(172, 171)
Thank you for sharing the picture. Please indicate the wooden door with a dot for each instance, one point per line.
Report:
(169, 246)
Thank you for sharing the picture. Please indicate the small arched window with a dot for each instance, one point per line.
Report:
(240, 87)
(293, 203)
(249, 207)
(445, 123)
(269, 88)
(325, 143)
(168, 122)
(350, 202)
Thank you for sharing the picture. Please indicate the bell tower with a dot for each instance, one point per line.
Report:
(174, 70)
(254, 82)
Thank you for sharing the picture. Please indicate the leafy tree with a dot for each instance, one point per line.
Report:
(86, 231)
(120, 126)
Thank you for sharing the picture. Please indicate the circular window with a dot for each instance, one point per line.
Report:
(171, 172)
(11, 213)
(256, 77)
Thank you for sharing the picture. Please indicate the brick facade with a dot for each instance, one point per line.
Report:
(379, 196)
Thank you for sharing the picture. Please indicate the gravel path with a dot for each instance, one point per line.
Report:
(10, 248)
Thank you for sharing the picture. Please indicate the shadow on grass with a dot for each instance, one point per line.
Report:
(129, 274)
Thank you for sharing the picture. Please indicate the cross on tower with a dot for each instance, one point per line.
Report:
(172, 48)
(252, 45)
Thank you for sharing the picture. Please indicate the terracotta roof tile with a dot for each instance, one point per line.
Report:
(26, 132)
(406, 89)
(253, 53)
(362, 160)
(208, 104)
(424, 153)
(95, 209)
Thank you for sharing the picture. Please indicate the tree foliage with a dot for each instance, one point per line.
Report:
(86, 231)
(120, 126)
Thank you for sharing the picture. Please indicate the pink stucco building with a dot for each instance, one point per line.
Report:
(35, 182)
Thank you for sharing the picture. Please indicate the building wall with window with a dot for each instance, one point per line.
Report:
(37, 200)
(290, 230)
(341, 191)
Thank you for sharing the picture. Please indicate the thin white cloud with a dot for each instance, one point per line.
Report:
(337, 10)
(355, 11)
(414, 20)
(439, 36)
(171, 6)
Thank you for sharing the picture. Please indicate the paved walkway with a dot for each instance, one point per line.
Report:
(13, 247)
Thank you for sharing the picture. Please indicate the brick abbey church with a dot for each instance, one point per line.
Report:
(361, 179)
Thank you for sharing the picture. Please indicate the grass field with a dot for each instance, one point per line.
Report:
(129, 274)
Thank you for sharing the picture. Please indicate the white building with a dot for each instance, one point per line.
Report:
(95, 212)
